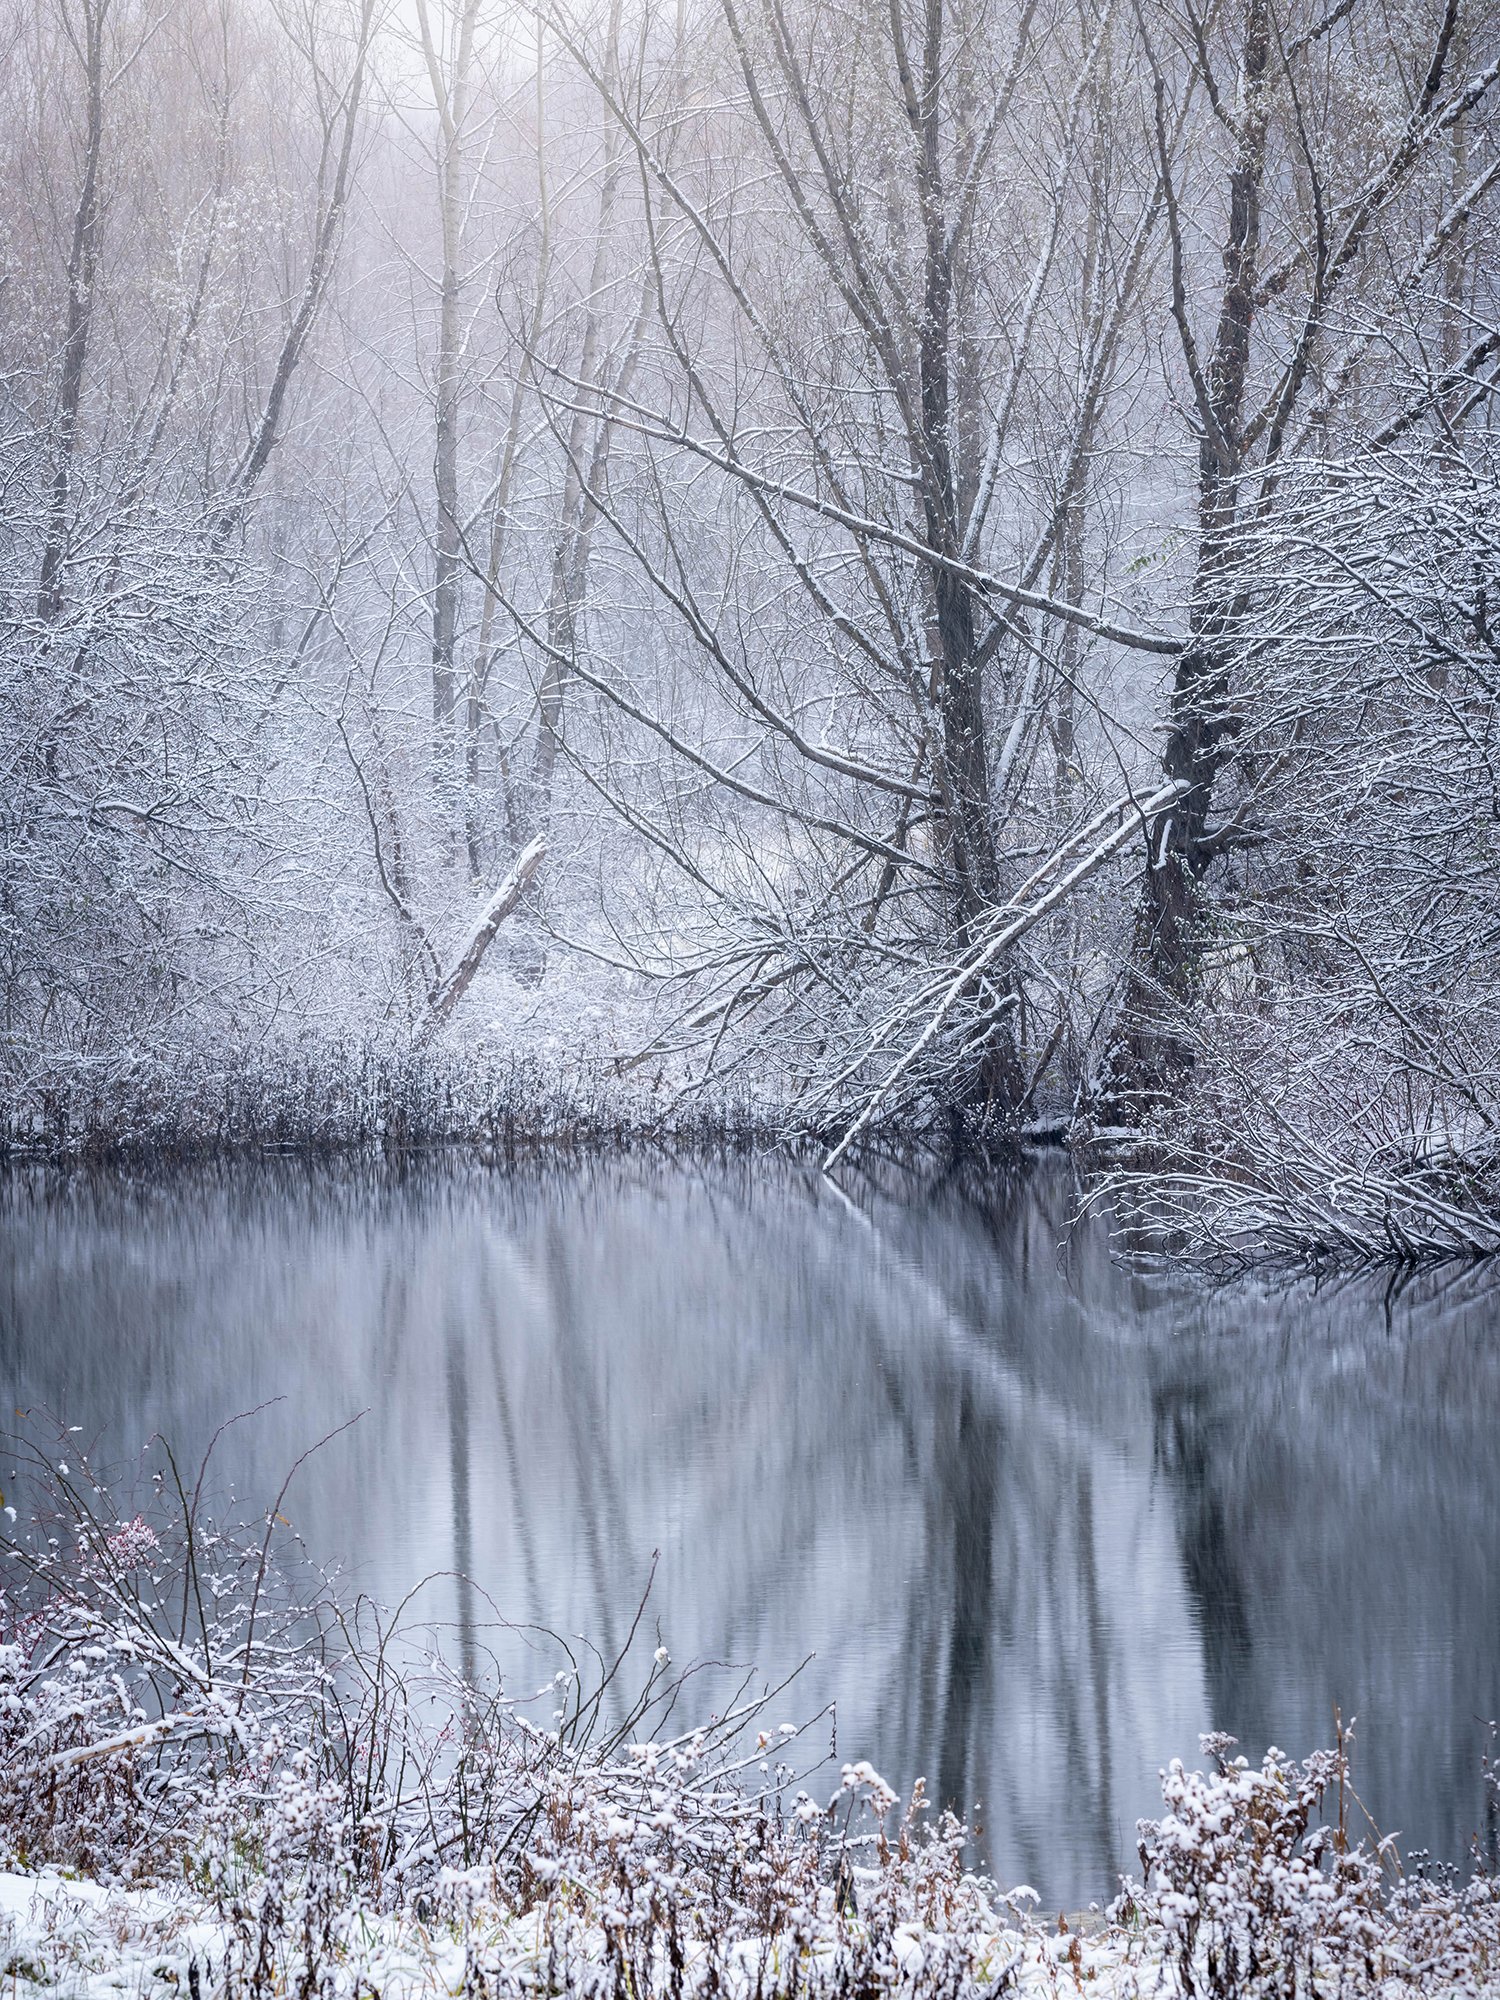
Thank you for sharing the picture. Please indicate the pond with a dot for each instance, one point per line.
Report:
(1033, 1518)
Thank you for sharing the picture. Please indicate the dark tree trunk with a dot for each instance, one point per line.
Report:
(966, 787)
(1151, 1053)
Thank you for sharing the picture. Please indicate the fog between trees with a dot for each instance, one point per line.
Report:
(916, 560)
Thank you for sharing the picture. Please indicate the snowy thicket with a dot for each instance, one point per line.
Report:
(919, 565)
(1345, 1040)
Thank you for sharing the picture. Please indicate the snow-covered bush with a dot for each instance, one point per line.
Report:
(1253, 1888)
(200, 1101)
(155, 1674)
(193, 1703)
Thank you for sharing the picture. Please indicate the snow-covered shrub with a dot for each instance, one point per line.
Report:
(203, 1100)
(154, 1674)
(180, 1700)
(1251, 1889)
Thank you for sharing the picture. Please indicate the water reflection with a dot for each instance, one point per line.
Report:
(1040, 1519)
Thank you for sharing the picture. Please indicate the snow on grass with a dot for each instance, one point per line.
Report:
(79, 1940)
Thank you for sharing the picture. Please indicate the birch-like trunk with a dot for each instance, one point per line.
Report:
(451, 84)
(83, 259)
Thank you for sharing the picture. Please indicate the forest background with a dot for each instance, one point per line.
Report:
(908, 564)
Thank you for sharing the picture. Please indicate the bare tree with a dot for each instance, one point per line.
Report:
(1323, 238)
(898, 355)
(137, 697)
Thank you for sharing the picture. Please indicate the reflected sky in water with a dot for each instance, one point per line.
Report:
(1038, 1518)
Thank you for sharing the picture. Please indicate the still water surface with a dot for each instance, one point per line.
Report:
(1039, 1519)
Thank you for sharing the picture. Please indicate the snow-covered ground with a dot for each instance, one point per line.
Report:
(81, 1941)
(75, 1938)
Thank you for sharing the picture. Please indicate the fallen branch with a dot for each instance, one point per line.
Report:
(128, 1739)
(1136, 814)
(454, 983)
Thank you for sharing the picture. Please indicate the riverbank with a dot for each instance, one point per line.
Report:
(1271, 1925)
(222, 1774)
(345, 1098)
(75, 1938)
(1196, 1195)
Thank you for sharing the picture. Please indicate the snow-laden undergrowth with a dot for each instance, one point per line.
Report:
(220, 1777)
(197, 1102)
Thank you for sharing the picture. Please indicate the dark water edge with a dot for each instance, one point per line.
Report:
(1040, 1516)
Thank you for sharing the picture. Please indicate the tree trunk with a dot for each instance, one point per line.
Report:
(83, 258)
(964, 781)
(1150, 1053)
(451, 94)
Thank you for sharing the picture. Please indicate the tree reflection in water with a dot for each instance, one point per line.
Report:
(1039, 1518)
